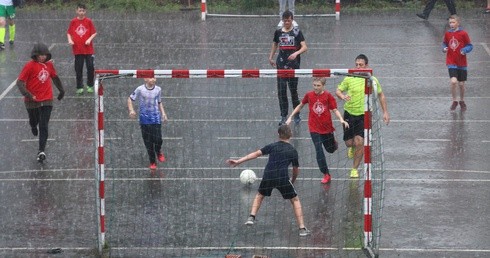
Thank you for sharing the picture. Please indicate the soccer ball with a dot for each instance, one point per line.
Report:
(247, 177)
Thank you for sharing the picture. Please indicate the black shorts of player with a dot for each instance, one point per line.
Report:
(282, 184)
(356, 126)
(460, 74)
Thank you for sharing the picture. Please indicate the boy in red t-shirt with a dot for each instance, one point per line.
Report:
(456, 44)
(34, 82)
(321, 103)
(80, 34)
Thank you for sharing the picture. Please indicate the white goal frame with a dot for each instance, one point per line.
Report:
(205, 13)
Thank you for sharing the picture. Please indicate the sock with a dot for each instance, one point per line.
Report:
(253, 216)
(11, 32)
(2, 35)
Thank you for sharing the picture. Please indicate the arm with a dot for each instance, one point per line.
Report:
(271, 55)
(23, 90)
(340, 94)
(295, 174)
(250, 156)
(384, 107)
(70, 40)
(162, 111)
(467, 49)
(90, 39)
(301, 50)
(132, 114)
(59, 86)
(339, 116)
(295, 111)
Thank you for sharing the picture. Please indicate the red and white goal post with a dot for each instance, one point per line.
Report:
(370, 241)
(205, 12)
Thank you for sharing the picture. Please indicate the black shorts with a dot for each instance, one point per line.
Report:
(284, 186)
(356, 126)
(460, 74)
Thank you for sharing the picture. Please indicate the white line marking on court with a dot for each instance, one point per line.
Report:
(35, 140)
(485, 46)
(434, 250)
(234, 138)
(433, 140)
(107, 139)
(485, 141)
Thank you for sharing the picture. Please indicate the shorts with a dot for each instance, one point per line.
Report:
(356, 126)
(7, 11)
(284, 186)
(459, 74)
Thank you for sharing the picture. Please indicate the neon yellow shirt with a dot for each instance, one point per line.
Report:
(354, 87)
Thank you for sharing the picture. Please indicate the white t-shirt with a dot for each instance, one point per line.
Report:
(6, 2)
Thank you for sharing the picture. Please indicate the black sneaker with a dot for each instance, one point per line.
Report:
(2, 46)
(422, 16)
(250, 221)
(41, 156)
(304, 232)
(283, 121)
(11, 42)
(297, 119)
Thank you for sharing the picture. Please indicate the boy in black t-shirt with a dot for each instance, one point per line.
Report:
(281, 155)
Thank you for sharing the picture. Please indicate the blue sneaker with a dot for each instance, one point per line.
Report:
(297, 119)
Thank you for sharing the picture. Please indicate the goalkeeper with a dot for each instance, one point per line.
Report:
(151, 116)
(351, 90)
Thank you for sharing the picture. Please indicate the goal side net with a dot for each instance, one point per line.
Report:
(193, 204)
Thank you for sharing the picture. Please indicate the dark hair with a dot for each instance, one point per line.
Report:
(81, 6)
(40, 49)
(287, 14)
(284, 132)
(363, 57)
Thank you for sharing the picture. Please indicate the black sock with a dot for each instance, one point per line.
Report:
(253, 216)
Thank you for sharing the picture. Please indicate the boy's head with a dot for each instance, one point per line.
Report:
(454, 21)
(81, 11)
(287, 19)
(150, 81)
(319, 84)
(361, 61)
(284, 132)
(40, 53)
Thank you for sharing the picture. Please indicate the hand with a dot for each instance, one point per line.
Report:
(462, 53)
(345, 124)
(71, 43)
(164, 117)
(87, 42)
(232, 162)
(292, 56)
(61, 95)
(272, 63)
(288, 121)
(132, 114)
(444, 50)
(346, 98)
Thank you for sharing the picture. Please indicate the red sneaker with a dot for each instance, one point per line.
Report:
(326, 179)
(161, 157)
(462, 105)
(453, 106)
(153, 166)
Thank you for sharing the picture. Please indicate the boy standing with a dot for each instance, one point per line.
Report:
(151, 116)
(7, 11)
(291, 44)
(34, 84)
(456, 44)
(80, 34)
(321, 103)
(351, 90)
(281, 155)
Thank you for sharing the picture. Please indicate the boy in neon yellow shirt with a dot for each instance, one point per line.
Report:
(351, 90)
(7, 11)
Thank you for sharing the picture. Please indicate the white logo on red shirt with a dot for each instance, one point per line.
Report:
(81, 30)
(43, 76)
(453, 43)
(318, 108)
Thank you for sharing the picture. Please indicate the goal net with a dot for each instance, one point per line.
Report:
(260, 8)
(193, 204)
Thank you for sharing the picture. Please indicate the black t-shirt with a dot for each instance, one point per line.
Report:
(281, 155)
(288, 43)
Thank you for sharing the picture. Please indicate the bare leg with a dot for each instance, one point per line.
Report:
(298, 211)
(359, 150)
(453, 85)
(461, 91)
(256, 204)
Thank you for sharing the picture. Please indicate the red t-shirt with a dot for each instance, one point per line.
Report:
(37, 77)
(455, 41)
(80, 31)
(320, 118)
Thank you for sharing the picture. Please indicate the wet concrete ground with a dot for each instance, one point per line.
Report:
(436, 160)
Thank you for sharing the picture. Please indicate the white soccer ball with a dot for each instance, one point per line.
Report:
(248, 177)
